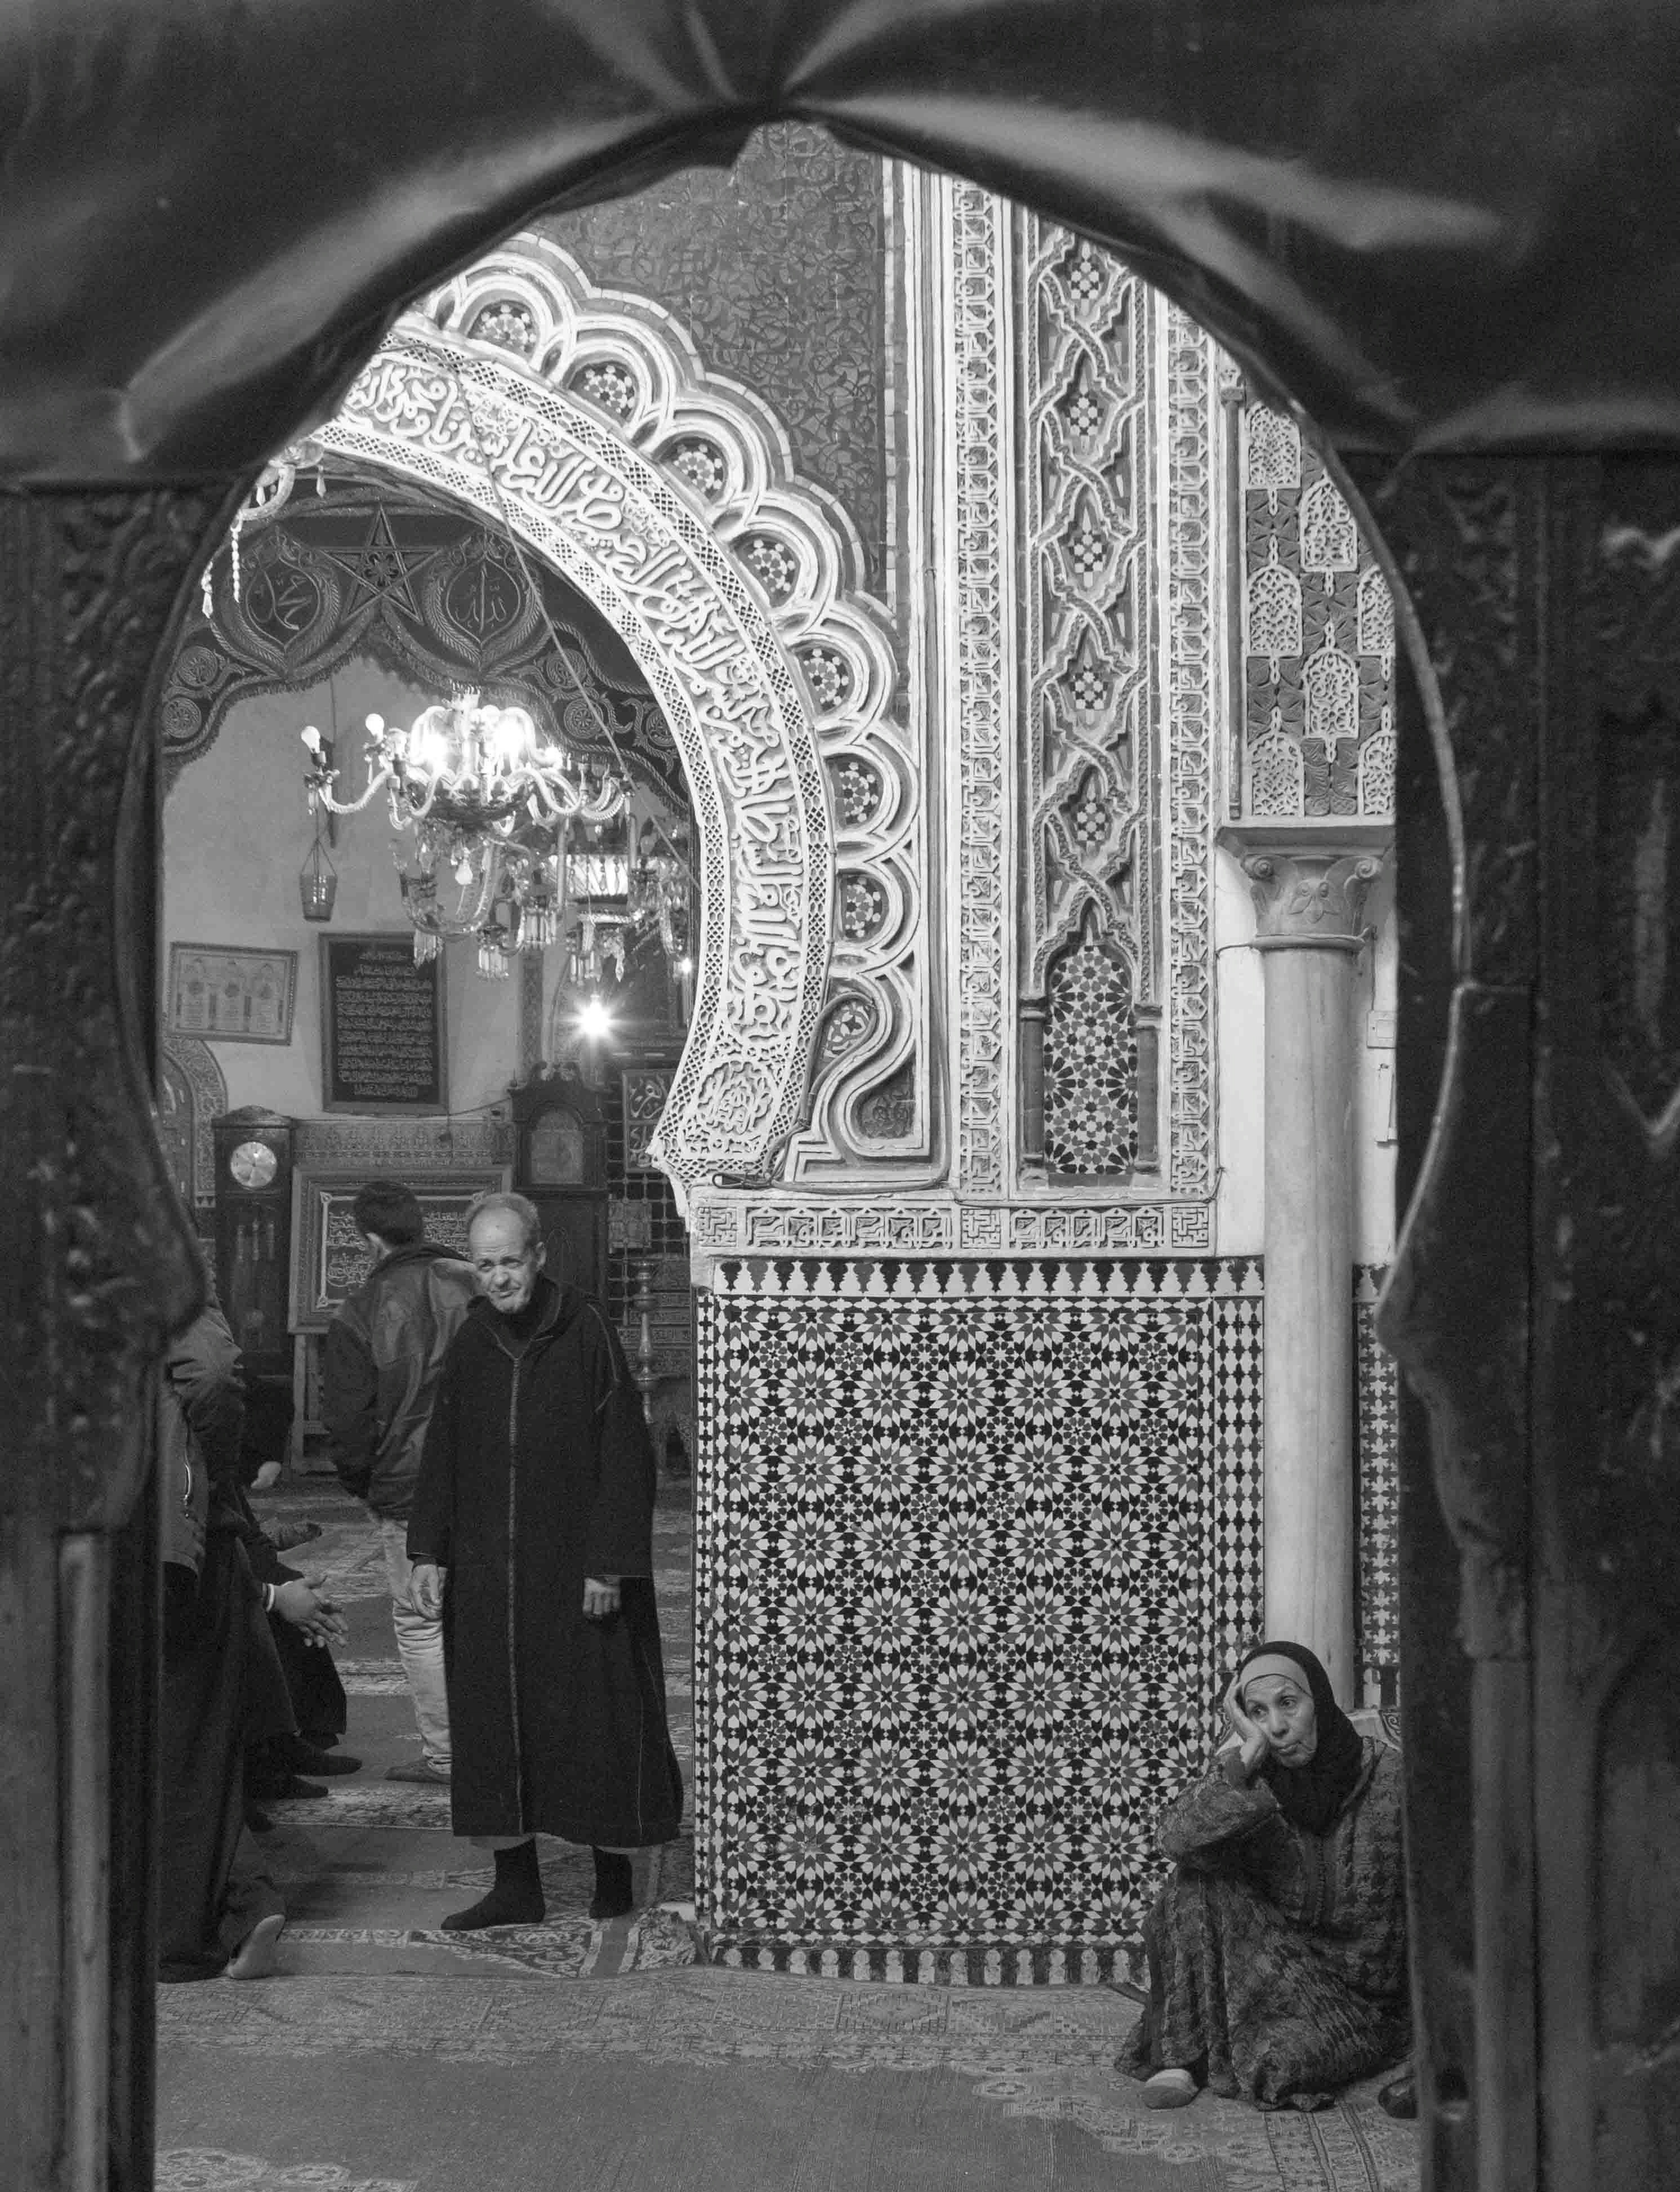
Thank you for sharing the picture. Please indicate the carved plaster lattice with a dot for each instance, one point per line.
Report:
(402, 1146)
(645, 1091)
(979, 304)
(984, 1212)
(1088, 723)
(191, 1095)
(934, 1225)
(1090, 729)
(1188, 1032)
(1117, 697)
(584, 421)
(1318, 639)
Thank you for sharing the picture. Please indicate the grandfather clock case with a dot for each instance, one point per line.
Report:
(254, 1235)
(560, 1162)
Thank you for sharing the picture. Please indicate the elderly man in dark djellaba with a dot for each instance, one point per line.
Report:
(532, 1529)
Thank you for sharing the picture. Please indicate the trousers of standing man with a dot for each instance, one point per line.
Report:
(420, 1646)
(382, 1357)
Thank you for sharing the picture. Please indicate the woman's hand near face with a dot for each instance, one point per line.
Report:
(1254, 1743)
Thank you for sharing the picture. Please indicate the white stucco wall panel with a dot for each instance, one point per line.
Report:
(1239, 1208)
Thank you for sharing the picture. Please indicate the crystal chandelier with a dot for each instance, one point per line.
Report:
(487, 804)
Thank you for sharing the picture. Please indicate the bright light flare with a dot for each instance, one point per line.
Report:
(594, 1019)
(515, 736)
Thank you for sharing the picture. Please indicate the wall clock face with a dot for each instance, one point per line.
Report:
(253, 1164)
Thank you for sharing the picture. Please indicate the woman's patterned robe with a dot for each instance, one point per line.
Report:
(1276, 1957)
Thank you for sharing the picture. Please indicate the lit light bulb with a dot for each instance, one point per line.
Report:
(512, 737)
(594, 1019)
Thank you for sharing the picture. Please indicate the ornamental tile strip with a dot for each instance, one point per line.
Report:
(1377, 1493)
(736, 1225)
(980, 323)
(1190, 755)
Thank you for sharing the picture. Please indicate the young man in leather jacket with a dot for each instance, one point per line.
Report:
(383, 1351)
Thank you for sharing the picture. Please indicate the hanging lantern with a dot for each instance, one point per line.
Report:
(494, 952)
(317, 882)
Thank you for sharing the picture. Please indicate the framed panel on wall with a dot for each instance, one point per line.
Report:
(231, 993)
(382, 1035)
(329, 1259)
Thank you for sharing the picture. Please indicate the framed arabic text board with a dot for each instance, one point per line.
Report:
(231, 993)
(330, 1261)
(382, 1042)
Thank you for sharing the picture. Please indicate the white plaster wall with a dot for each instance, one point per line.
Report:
(1239, 1214)
(1373, 1114)
(236, 832)
(1239, 1207)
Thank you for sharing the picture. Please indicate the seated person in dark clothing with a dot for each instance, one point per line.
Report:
(217, 1910)
(312, 1684)
(319, 1708)
(1278, 1946)
(269, 1414)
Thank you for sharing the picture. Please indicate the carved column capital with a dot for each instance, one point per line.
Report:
(1309, 880)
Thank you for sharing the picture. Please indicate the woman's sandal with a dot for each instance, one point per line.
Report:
(1399, 2096)
(255, 1957)
(1170, 2089)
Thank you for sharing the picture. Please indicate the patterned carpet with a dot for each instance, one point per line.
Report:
(389, 2056)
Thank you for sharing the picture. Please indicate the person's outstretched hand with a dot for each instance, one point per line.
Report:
(601, 1596)
(303, 1603)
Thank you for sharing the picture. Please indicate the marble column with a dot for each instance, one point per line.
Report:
(1309, 882)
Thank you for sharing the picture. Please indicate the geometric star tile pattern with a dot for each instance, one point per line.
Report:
(975, 1543)
(1377, 1495)
(1090, 1064)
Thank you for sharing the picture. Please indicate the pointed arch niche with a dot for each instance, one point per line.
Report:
(582, 421)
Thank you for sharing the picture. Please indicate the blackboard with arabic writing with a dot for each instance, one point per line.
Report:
(381, 1026)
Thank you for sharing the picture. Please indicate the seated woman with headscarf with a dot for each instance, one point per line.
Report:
(1278, 1946)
